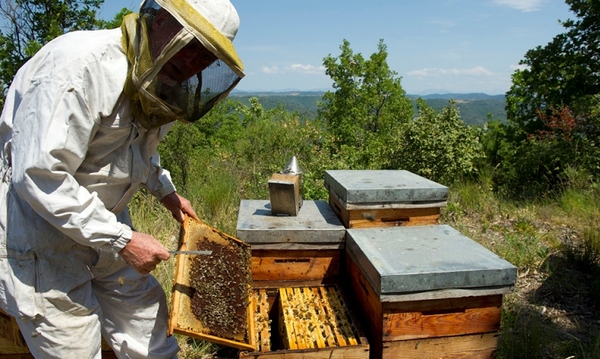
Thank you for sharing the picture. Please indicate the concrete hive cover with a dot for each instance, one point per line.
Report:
(211, 293)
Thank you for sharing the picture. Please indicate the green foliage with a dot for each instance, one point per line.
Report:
(239, 147)
(535, 164)
(565, 72)
(116, 21)
(303, 102)
(179, 151)
(474, 110)
(231, 153)
(438, 146)
(30, 24)
(272, 138)
(553, 310)
(552, 108)
(366, 109)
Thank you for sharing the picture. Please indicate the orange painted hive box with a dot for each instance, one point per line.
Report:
(304, 249)
(300, 310)
(427, 291)
(384, 198)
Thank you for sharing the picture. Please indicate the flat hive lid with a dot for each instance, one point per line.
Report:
(383, 186)
(315, 223)
(401, 260)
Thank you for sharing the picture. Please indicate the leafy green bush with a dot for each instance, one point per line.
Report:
(530, 165)
(438, 146)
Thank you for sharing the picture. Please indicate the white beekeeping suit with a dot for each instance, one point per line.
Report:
(79, 131)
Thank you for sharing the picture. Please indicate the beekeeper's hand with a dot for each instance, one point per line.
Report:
(144, 252)
(179, 206)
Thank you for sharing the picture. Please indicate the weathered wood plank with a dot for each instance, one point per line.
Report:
(11, 340)
(358, 352)
(477, 346)
(295, 265)
(384, 217)
(368, 301)
(404, 326)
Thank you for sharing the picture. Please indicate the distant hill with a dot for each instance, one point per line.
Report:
(475, 96)
(303, 102)
(474, 107)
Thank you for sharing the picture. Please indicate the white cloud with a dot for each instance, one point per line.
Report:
(307, 69)
(522, 5)
(435, 72)
(269, 70)
(295, 68)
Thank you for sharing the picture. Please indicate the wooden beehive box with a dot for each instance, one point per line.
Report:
(11, 340)
(211, 293)
(305, 322)
(427, 291)
(300, 312)
(304, 248)
(384, 198)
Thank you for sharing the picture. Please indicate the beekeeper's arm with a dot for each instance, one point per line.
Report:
(179, 206)
(136, 251)
(160, 184)
(51, 132)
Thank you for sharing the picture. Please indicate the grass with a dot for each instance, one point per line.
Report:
(554, 242)
(553, 311)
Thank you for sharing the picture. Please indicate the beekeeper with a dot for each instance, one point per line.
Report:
(79, 132)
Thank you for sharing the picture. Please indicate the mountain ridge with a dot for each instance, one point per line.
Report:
(447, 96)
(475, 108)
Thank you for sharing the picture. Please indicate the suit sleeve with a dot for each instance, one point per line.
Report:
(52, 129)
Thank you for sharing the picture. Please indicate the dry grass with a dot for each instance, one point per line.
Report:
(554, 310)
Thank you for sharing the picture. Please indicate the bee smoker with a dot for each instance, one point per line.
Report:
(285, 190)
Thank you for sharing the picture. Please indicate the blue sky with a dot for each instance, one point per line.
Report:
(435, 46)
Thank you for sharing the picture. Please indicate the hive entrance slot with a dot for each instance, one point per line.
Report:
(292, 260)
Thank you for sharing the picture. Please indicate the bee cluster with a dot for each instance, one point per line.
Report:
(262, 321)
(314, 318)
(221, 286)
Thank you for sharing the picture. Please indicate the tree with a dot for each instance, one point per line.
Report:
(441, 146)
(32, 23)
(557, 93)
(367, 106)
(565, 72)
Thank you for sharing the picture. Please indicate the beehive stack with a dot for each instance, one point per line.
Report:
(298, 312)
(384, 198)
(425, 289)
